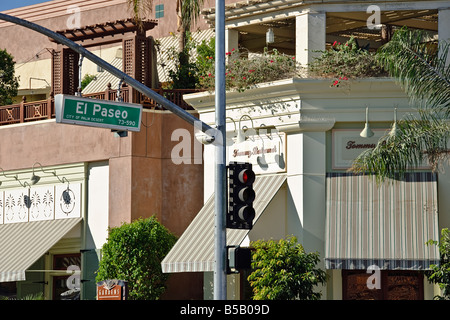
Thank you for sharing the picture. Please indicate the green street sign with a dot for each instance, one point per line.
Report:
(98, 113)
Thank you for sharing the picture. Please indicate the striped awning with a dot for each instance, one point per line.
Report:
(384, 224)
(194, 250)
(22, 244)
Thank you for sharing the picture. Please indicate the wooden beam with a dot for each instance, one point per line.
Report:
(106, 29)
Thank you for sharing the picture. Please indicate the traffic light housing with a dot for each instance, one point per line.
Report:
(239, 259)
(240, 196)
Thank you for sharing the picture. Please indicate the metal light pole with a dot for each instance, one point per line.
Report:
(220, 203)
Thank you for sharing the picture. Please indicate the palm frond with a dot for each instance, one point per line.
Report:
(419, 141)
(420, 67)
(190, 11)
(141, 9)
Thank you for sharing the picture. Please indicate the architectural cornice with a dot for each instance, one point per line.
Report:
(308, 105)
(248, 8)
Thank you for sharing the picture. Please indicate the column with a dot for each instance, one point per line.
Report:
(231, 39)
(444, 26)
(307, 192)
(309, 35)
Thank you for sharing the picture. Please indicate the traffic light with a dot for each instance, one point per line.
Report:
(238, 259)
(241, 195)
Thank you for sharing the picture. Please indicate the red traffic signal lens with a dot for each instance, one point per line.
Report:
(246, 176)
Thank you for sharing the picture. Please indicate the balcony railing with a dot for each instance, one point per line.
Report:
(45, 109)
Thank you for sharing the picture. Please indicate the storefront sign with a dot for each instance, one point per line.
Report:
(112, 290)
(115, 293)
(348, 145)
(98, 113)
(266, 152)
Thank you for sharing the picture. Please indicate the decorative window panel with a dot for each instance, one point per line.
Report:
(40, 203)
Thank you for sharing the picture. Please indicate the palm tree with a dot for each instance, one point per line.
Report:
(188, 12)
(422, 69)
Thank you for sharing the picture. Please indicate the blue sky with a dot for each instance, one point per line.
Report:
(11, 4)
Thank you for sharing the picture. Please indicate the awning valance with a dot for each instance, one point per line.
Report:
(194, 250)
(22, 244)
(384, 224)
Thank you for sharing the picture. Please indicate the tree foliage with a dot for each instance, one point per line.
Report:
(440, 274)
(8, 82)
(133, 252)
(420, 67)
(284, 271)
(185, 74)
(346, 61)
(244, 69)
(188, 11)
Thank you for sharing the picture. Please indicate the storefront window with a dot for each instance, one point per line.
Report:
(8, 290)
(63, 262)
(395, 285)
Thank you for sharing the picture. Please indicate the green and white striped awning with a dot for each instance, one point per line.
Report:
(384, 224)
(194, 250)
(22, 244)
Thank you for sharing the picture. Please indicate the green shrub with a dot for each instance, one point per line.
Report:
(133, 252)
(346, 61)
(282, 270)
(244, 69)
(440, 273)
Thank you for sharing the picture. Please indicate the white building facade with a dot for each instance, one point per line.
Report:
(304, 138)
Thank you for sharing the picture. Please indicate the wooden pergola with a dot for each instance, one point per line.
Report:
(107, 32)
(137, 52)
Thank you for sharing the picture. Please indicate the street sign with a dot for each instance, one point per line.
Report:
(98, 113)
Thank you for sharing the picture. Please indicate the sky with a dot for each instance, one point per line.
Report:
(11, 4)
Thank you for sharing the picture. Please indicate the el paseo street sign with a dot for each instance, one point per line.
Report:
(98, 113)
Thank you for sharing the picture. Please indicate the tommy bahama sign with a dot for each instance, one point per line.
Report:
(40, 203)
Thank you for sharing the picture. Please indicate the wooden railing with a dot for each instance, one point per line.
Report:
(45, 109)
(27, 111)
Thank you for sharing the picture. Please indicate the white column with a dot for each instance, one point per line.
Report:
(307, 192)
(309, 35)
(231, 39)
